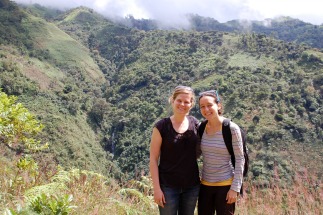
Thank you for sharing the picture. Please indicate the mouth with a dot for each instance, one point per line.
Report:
(181, 109)
(208, 114)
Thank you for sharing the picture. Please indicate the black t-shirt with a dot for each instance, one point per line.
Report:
(178, 166)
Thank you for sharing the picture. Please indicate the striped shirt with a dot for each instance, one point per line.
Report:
(217, 164)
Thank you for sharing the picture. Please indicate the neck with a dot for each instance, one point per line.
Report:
(178, 118)
(215, 121)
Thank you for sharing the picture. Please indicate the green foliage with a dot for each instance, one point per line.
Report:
(41, 11)
(46, 205)
(18, 126)
(11, 29)
(283, 28)
(52, 205)
(99, 87)
(27, 163)
(105, 85)
(248, 62)
(279, 117)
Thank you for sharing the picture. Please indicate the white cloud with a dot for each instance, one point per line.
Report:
(309, 10)
(171, 11)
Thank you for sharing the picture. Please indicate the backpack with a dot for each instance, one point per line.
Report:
(227, 136)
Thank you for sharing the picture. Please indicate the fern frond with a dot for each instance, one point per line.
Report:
(140, 185)
(61, 176)
(50, 189)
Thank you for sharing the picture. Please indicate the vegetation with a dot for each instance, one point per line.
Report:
(282, 28)
(31, 184)
(98, 87)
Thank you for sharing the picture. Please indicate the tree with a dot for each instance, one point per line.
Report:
(18, 126)
(255, 120)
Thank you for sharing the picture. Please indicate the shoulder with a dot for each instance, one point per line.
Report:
(162, 120)
(235, 129)
(234, 126)
(161, 123)
(193, 120)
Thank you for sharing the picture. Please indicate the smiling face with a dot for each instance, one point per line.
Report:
(182, 103)
(209, 107)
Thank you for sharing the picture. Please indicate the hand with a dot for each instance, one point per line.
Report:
(159, 197)
(232, 196)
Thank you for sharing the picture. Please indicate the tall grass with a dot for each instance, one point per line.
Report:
(302, 196)
(94, 194)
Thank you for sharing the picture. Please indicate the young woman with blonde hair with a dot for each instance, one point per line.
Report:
(173, 163)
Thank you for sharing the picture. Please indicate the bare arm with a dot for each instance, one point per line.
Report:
(155, 144)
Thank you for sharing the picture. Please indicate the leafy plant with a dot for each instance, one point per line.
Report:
(18, 126)
(52, 205)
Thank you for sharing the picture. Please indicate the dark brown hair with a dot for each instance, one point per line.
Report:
(217, 99)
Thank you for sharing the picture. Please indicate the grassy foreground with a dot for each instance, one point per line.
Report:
(48, 189)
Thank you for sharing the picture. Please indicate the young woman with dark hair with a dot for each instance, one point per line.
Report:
(221, 181)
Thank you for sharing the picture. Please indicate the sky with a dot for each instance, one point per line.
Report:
(173, 12)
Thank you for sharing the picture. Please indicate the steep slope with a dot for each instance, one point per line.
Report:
(57, 79)
(276, 86)
(270, 87)
(60, 48)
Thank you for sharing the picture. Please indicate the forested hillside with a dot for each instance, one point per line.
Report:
(104, 85)
(270, 87)
(56, 77)
(282, 28)
(98, 88)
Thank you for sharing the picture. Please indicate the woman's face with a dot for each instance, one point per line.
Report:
(208, 107)
(182, 104)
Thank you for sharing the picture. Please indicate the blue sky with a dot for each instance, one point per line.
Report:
(174, 11)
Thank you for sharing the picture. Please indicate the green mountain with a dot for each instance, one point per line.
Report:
(98, 87)
(56, 77)
(282, 28)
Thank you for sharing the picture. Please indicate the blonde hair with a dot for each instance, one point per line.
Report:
(182, 90)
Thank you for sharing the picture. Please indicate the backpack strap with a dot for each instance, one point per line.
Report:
(227, 137)
(202, 128)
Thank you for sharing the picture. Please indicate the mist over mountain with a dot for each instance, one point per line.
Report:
(174, 13)
(283, 28)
